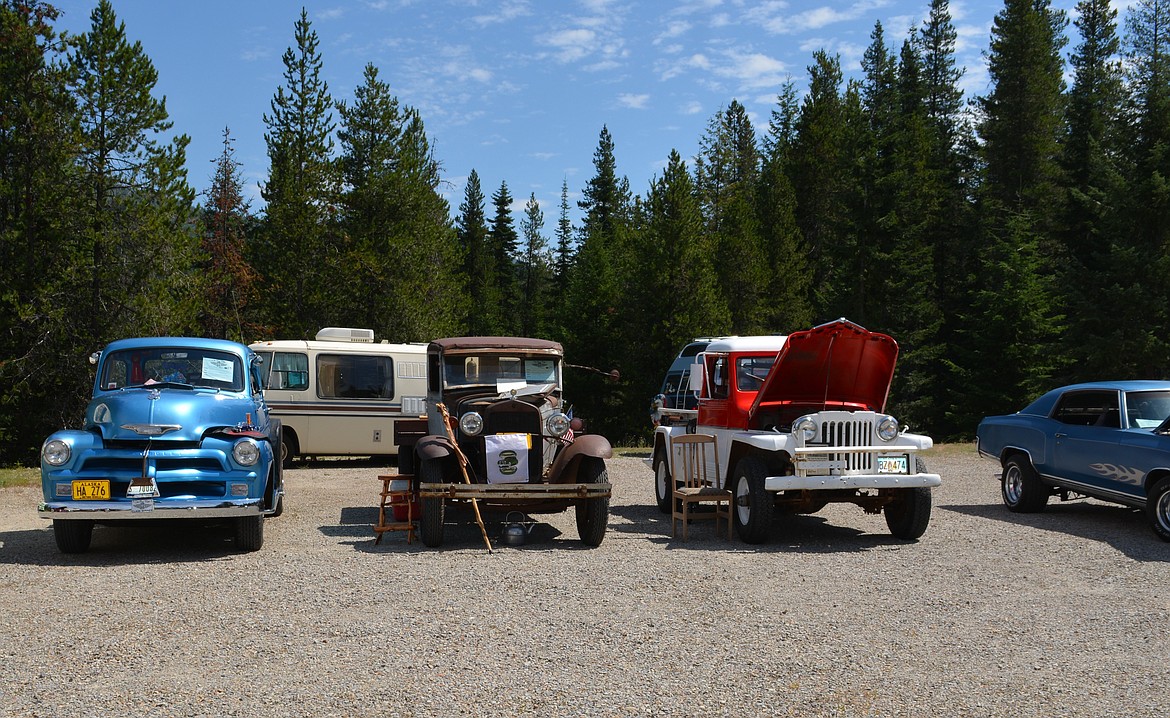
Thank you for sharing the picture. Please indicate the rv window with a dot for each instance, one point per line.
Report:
(353, 376)
(286, 370)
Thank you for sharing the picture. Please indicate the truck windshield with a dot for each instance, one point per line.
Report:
(491, 369)
(166, 365)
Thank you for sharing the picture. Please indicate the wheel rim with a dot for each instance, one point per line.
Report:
(660, 479)
(1013, 485)
(743, 508)
(1162, 512)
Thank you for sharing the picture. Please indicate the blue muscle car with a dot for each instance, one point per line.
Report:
(176, 428)
(1108, 440)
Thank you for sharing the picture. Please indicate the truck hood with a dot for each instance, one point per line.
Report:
(165, 414)
(834, 365)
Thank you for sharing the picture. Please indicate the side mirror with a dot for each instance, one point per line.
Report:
(696, 378)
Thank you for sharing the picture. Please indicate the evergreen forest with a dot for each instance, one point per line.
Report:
(1010, 242)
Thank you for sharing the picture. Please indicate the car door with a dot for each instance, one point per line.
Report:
(1087, 440)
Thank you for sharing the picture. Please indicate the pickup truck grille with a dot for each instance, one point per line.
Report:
(849, 432)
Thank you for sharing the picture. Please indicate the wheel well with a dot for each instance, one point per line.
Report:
(1153, 478)
(1010, 452)
(776, 461)
(290, 434)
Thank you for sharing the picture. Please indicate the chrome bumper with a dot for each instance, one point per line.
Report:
(854, 481)
(162, 509)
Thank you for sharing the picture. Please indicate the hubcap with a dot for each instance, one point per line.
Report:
(1162, 511)
(1013, 485)
(743, 507)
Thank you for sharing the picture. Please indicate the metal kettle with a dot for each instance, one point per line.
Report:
(515, 533)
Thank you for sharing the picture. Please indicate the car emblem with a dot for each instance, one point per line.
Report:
(151, 429)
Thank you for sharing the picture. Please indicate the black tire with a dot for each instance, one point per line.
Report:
(593, 514)
(1020, 485)
(73, 536)
(288, 448)
(752, 506)
(249, 533)
(430, 529)
(663, 484)
(275, 489)
(1158, 509)
(909, 513)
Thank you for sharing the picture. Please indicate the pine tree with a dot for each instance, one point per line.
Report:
(299, 249)
(137, 201)
(478, 261)
(1091, 224)
(789, 305)
(564, 236)
(727, 173)
(536, 297)
(597, 325)
(503, 241)
(43, 261)
(1014, 314)
(229, 282)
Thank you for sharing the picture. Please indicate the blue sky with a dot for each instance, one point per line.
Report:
(516, 89)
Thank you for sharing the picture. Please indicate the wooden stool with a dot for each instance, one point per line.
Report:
(397, 492)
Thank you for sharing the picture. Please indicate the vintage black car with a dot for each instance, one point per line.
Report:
(496, 401)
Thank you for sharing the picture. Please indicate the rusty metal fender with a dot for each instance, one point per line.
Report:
(564, 468)
(434, 447)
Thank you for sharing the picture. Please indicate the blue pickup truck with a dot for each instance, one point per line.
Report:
(177, 428)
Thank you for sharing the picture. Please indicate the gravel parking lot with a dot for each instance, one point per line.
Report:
(989, 614)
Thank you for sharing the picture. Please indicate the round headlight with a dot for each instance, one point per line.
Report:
(805, 427)
(56, 452)
(471, 423)
(557, 424)
(246, 452)
(888, 429)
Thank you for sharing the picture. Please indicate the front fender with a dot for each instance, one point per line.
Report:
(434, 447)
(565, 466)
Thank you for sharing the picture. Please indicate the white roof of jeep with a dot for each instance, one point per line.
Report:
(769, 343)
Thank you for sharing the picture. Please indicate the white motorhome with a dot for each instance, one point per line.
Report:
(341, 394)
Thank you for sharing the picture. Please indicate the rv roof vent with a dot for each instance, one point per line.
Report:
(344, 334)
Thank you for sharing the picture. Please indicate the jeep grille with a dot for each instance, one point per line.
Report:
(850, 432)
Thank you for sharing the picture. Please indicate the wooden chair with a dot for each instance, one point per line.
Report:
(695, 472)
(397, 498)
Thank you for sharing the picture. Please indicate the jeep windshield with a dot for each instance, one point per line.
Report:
(502, 371)
(165, 366)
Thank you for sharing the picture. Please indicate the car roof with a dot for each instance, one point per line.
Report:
(1043, 405)
(770, 343)
(496, 343)
(178, 343)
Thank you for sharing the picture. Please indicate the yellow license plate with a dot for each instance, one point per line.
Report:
(91, 490)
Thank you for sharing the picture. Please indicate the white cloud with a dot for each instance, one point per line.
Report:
(507, 11)
(693, 107)
(673, 29)
(571, 45)
(633, 102)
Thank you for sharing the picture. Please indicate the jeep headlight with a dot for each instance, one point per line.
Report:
(887, 428)
(805, 427)
(557, 424)
(471, 423)
(246, 452)
(56, 452)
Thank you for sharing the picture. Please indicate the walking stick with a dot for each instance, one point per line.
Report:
(463, 468)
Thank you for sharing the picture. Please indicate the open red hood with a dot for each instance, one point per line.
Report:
(835, 365)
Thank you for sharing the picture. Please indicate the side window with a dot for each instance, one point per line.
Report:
(349, 376)
(718, 372)
(1089, 408)
(285, 370)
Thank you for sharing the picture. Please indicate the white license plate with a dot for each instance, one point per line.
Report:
(893, 464)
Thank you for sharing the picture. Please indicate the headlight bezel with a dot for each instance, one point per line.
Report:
(471, 423)
(56, 452)
(805, 428)
(888, 428)
(557, 424)
(246, 452)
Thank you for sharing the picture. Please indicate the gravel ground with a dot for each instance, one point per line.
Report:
(989, 614)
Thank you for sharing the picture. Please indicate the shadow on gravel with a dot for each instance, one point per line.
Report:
(1123, 528)
(186, 541)
(460, 532)
(800, 533)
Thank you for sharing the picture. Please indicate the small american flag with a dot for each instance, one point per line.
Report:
(568, 437)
